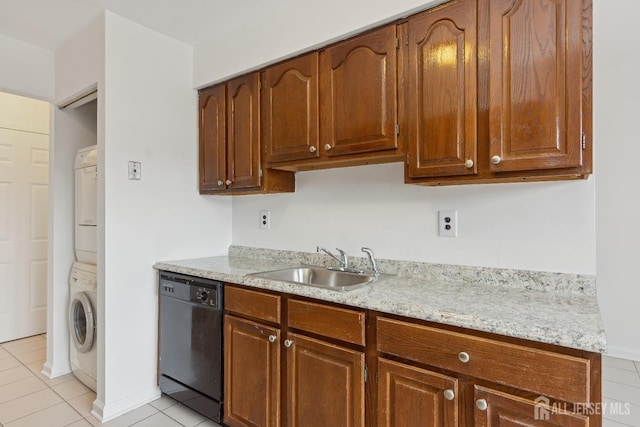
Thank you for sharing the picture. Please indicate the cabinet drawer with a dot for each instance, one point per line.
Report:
(333, 322)
(252, 303)
(547, 373)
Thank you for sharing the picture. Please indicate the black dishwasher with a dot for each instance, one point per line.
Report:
(191, 342)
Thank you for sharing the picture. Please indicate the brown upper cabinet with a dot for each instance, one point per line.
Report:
(338, 107)
(535, 84)
(290, 110)
(529, 91)
(442, 91)
(213, 138)
(469, 91)
(230, 160)
(358, 109)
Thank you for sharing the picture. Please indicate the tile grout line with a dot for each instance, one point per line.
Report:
(49, 387)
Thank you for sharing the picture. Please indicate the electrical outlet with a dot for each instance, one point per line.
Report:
(265, 219)
(135, 170)
(448, 223)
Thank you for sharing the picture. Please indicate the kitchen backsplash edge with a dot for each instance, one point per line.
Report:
(581, 284)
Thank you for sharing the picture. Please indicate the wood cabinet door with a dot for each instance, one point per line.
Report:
(243, 138)
(251, 373)
(410, 396)
(358, 106)
(535, 84)
(496, 409)
(213, 138)
(290, 110)
(325, 384)
(442, 91)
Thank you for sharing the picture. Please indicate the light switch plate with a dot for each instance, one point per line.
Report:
(135, 172)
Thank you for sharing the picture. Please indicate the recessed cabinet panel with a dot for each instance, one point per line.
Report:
(213, 138)
(252, 373)
(413, 397)
(496, 409)
(325, 384)
(442, 91)
(243, 141)
(290, 110)
(535, 83)
(358, 97)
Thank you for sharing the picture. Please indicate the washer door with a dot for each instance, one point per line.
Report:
(82, 325)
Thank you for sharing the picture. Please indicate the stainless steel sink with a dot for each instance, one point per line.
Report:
(319, 276)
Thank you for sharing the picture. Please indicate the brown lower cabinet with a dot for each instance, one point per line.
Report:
(409, 396)
(497, 409)
(273, 367)
(299, 362)
(325, 383)
(252, 373)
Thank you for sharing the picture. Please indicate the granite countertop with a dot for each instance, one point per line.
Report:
(565, 313)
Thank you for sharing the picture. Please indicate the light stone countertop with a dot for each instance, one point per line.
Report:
(570, 319)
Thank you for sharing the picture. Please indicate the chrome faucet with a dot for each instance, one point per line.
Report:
(372, 259)
(344, 262)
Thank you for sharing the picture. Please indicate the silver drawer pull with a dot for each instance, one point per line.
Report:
(496, 160)
(272, 338)
(312, 149)
(327, 147)
(481, 404)
(464, 357)
(288, 343)
(449, 394)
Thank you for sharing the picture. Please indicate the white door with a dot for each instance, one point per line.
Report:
(24, 169)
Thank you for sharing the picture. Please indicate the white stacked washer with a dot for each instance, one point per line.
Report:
(83, 278)
(82, 323)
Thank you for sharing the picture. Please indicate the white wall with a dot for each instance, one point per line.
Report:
(151, 117)
(533, 226)
(250, 40)
(26, 69)
(79, 64)
(616, 113)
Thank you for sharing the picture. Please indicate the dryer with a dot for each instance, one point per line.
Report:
(82, 323)
(86, 218)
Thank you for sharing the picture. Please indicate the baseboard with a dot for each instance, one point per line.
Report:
(623, 353)
(51, 371)
(106, 412)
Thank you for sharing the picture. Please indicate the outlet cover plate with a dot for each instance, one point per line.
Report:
(448, 223)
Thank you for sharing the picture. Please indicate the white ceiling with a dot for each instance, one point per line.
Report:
(49, 23)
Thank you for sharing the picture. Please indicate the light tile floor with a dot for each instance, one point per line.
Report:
(29, 399)
(620, 392)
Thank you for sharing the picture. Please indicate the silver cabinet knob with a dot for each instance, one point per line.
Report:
(220, 182)
(228, 182)
(468, 164)
(327, 147)
(312, 149)
(272, 338)
(449, 394)
(496, 160)
(464, 357)
(481, 404)
(288, 343)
